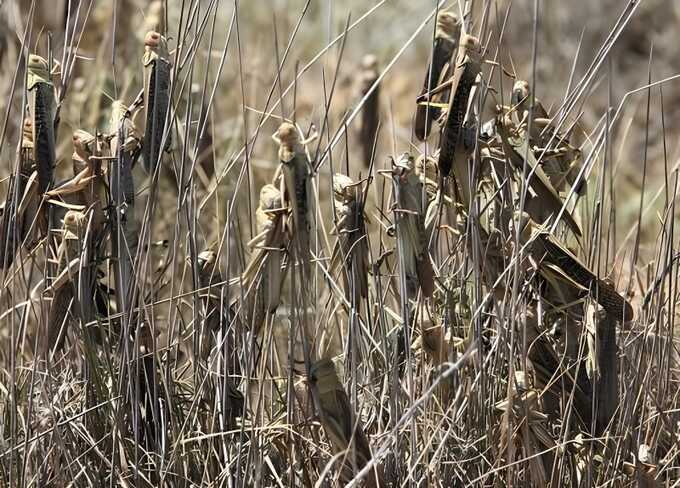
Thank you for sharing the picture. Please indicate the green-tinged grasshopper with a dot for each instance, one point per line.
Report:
(125, 146)
(350, 254)
(64, 286)
(263, 277)
(546, 201)
(370, 112)
(156, 62)
(296, 183)
(409, 215)
(458, 136)
(545, 248)
(21, 204)
(444, 49)
(340, 423)
(40, 104)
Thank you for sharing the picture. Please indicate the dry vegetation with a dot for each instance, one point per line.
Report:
(244, 244)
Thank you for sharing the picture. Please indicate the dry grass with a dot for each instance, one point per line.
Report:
(318, 309)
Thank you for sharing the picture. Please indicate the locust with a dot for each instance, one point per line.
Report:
(370, 112)
(409, 215)
(458, 137)
(263, 277)
(21, 205)
(124, 146)
(351, 251)
(561, 162)
(65, 285)
(545, 200)
(547, 250)
(447, 35)
(40, 95)
(342, 427)
(156, 63)
(296, 184)
(40, 104)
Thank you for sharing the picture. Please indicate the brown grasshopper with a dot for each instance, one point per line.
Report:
(546, 249)
(458, 138)
(263, 277)
(351, 251)
(409, 215)
(296, 184)
(370, 112)
(561, 161)
(444, 49)
(156, 62)
(340, 423)
(65, 285)
(124, 145)
(546, 200)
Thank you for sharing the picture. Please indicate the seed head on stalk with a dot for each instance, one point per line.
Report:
(350, 254)
(156, 63)
(444, 50)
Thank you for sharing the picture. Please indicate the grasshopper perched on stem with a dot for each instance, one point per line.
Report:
(444, 50)
(156, 62)
(458, 138)
(351, 252)
(409, 215)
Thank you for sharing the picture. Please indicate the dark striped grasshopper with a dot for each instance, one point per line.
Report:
(547, 250)
(458, 137)
(409, 216)
(370, 112)
(124, 146)
(156, 129)
(444, 50)
(350, 254)
(20, 208)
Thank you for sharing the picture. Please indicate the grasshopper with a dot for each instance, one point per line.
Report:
(560, 162)
(263, 277)
(156, 62)
(444, 50)
(351, 250)
(370, 113)
(458, 137)
(546, 200)
(63, 287)
(340, 423)
(124, 146)
(21, 205)
(546, 249)
(409, 215)
(40, 102)
(296, 184)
